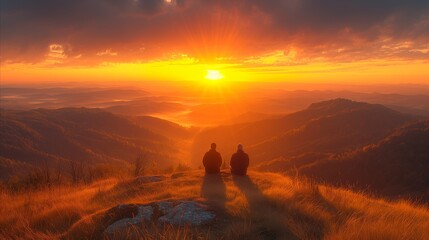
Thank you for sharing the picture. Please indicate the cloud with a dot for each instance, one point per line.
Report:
(107, 52)
(141, 30)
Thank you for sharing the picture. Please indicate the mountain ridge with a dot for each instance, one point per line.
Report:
(347, 114)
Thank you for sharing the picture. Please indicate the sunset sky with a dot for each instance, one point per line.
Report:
(312, 41)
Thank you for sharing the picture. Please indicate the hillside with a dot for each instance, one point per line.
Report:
(396, 166)
(325, 127)
(261, 206)
(55, 138)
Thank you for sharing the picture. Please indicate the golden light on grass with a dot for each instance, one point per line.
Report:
(213, 75)
(271, 201)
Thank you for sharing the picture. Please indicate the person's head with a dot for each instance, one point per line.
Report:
(239, 147)
(213, 146)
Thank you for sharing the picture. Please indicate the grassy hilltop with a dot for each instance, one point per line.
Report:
(260, 206)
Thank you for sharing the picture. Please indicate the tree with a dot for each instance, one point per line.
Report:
(140, 164)
(76, 171)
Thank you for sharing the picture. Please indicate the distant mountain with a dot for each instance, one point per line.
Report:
(56, 137)
(127, 101)
(144, 106)
(164, 127)
(344, 125)
(285, 101)
(326, 127)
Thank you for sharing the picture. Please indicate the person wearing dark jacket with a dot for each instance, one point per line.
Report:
(239, 161)
(212, 160)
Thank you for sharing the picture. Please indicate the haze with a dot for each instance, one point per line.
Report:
(214, 119)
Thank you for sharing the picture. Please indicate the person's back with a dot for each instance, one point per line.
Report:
(239, 162)
(212, 160)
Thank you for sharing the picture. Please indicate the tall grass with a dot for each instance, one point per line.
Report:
(262, 206)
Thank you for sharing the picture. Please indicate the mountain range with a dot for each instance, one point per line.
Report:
(339, 142)
(324, 127)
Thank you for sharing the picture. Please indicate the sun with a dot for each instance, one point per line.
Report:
(213, 75)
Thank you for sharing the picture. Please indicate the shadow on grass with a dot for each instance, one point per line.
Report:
(266, 220)
(214, 190)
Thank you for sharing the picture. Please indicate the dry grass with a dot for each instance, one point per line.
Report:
(263, 206)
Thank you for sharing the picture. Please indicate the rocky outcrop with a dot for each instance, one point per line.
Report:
(188, 213)
(165, 207)
(131, 217)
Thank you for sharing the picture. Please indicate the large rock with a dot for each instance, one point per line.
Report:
(188, 213)
(126, 218)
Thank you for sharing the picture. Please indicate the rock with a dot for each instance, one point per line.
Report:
(165, 207)
(148, 179)
(188, 213)
(129, 218)
(145, 213)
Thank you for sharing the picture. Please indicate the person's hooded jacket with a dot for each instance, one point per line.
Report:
(239, 163)
(212, 161)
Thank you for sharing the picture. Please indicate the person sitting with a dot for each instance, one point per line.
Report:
(239, 161)
(212, 160)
